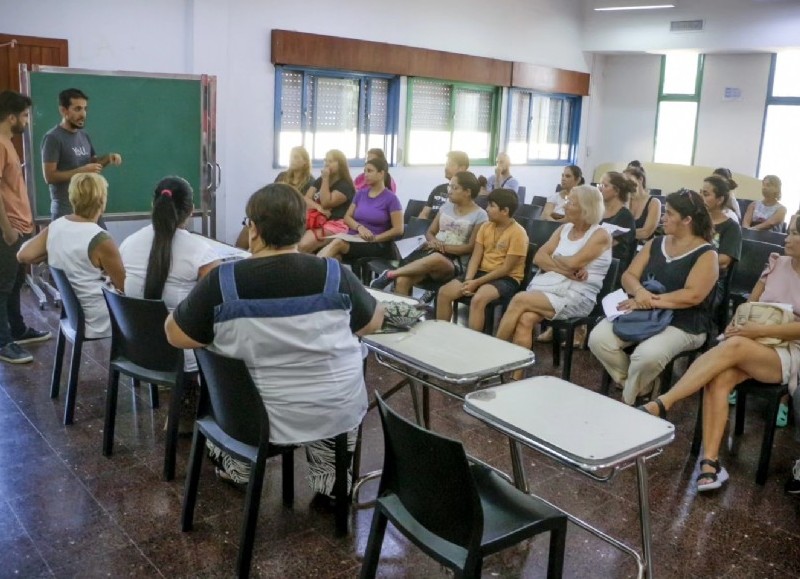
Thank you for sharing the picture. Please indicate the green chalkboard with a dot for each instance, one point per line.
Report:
(154, 122)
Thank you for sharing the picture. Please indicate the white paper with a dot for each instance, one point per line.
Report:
(223, 250)
(610, 303)
(406, 246)
(347, 237)
(614, 230)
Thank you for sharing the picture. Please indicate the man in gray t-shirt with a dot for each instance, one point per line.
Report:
(67, 150)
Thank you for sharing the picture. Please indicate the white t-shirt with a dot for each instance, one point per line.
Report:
(189, 253)
(457, 229)
(558, 203)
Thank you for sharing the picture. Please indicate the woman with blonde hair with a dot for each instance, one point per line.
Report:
(298, 175)
(768, 213)
(85, 251)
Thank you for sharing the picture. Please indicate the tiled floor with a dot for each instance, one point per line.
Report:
(67, 511)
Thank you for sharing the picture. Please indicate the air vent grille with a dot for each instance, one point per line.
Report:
(686, 26)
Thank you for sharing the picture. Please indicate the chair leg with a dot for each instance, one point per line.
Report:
(556, 347)
(555, 558)
(605, 384)
(72, 381)
(372, 554)
(192, 479)
(741, 406)
(111, 412)
(251, 506)
(357, 453)
(58, 362)
(175, 400)
(154, 403)
(472, 568)
(769, 437)
(569, 348)
(697, 439)
(340, 491)
(287, 477)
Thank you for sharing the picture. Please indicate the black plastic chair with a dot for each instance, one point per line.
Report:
(232, 416)
(754, 257)
(774, 237)
(528, 212)
(743, 205)
(567, 327)
(521, 194)
(71, 327)
(139, 349)
(539, 200)
(414, 227)
(413, 207)
(454, 511)
(772, 393)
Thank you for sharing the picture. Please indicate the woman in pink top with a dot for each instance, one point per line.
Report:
(740, 357)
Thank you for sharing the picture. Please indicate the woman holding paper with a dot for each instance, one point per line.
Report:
(616, 190)
(375, 218)
(572, 265)
(685, 262)
(449, 240)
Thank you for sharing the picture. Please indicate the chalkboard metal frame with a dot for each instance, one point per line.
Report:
(208, 169)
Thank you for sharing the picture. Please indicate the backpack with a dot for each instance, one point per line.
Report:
(639, 325)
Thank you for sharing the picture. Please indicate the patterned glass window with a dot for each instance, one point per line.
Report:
(323, 110)
(542, 128)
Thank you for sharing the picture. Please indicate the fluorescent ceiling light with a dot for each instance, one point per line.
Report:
(635, 7)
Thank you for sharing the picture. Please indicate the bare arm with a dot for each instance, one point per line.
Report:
(433, 229)
(35, 249)
(776, 219)
(699, 284)
(178, 337)
(330, 199)
(547, 212)
(474, 262)
(375, 323)
(544, 256)
(53, 176)
(425, 213)
(106, 256)
(650, 224)
(205, 269)
(725, 261)
(463, 249)
(748, 215)
(509, 263)
(395, 231)
(631, 278)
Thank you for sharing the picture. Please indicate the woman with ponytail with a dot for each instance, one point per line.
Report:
(164, 261)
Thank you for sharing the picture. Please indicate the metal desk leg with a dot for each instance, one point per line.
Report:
(520, 480)
(644, 514)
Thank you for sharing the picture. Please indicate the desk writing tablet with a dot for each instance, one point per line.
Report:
(450, 352)
(223, 250)
(588, 428)
(388, 297)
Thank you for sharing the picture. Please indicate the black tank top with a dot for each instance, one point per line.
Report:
(643, 217)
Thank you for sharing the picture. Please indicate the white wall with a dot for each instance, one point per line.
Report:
(232, 41)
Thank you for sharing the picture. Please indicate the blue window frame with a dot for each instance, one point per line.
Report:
(330, 109)
(542, 128)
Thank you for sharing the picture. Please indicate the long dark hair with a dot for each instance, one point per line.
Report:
(689, 203)
(172, 205)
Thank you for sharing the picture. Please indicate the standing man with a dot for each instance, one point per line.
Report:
(16, 222)
(457, 161)
(67, 150)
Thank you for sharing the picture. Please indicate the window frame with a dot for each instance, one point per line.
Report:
(680, 98)
(392, 112)
(574, 132)
(496, 93)
(772, 100)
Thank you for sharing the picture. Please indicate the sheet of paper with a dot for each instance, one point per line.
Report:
(610, 303)
(406, 246)
(347, 237)
(614, 230)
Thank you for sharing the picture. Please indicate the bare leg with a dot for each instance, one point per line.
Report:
(435, 266)
(523, 334)
(404, 285)
(485, 295)
(448, 293)
(523, 302)
(309, 243)
(715, 412)
(335, 249)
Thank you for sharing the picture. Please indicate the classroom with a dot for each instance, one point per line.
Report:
(606, 72)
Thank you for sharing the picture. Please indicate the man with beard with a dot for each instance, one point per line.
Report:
(16, 222)
(67, 150)
(457, 161)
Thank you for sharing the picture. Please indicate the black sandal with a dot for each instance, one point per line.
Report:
(662, 410)
(715, 479)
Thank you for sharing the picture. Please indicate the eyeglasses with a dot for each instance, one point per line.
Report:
(689, 194)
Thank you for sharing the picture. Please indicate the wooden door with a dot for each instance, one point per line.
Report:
(16, 50)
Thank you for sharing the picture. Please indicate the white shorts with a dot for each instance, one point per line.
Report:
(570, 305)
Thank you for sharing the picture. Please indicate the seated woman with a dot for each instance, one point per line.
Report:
(450, 240)
(645, 208)
(331, 195)
(731, 208)
(739, 357)
(83, 250)
(684, 261)
(554, 207)
(361, 180)
(497, 264)
(298, 175)
(163, 261)
(375, 215)
(572, 265)
(616, 190)
(766, 214)
(307, 366)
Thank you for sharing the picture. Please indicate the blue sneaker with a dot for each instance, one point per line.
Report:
(783, 416)
(381, 281)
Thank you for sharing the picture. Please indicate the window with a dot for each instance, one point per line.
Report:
(323, 110)
(781, 127)
(450, 116)
(678, 98)
(542, 128)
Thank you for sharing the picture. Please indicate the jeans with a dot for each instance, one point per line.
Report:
(12, 276)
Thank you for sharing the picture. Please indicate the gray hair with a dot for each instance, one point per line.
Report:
(591, 201)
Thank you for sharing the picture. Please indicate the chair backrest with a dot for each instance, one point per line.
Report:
(539, 200)
(774, 237)
(750, 266)
(413, 207)
(541, 230)
(611, 282)
(233, 399)
(416, 226)
(71, 310)
(529, 211)
(431, 476)
(521, 194)
(528, 274)
(657, 193)
(743, 205)
(137, 332)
